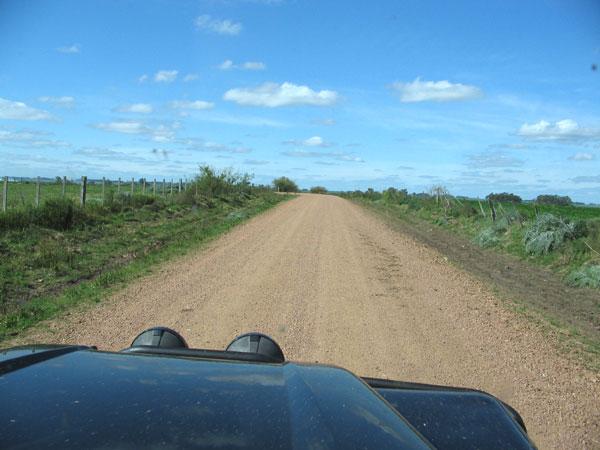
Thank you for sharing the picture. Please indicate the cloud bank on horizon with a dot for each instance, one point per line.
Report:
(478, 97)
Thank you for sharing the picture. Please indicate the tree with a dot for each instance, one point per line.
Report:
(504, 197)
(393, 195)
(554, 200)
(372, 194)
(284, 184)
(318, 190)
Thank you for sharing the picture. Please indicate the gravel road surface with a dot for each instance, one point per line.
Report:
(334, 284)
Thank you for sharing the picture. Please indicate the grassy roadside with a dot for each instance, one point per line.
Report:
(569, 314)
(564, 239)
(44, 271)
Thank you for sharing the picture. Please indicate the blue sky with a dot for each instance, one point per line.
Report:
(477, 96)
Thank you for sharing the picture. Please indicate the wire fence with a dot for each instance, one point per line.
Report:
(32, 192)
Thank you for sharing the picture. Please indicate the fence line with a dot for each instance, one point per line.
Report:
(32, 192)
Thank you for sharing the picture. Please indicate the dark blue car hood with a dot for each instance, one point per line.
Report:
(89, 399)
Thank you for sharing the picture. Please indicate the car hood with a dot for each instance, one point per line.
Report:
(87, 399)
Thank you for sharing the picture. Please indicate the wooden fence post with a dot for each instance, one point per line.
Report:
(164, 188)
(5, 194)
(119, 185)
(154, 188)
(481, 208)
(132, 185)
(179, 187)
(143, 186)
(37, 192)
(103, 189)
(171, 187)
(83, 190)
(64, 186)
(493, 210)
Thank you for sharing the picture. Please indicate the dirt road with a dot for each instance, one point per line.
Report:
(332, 283)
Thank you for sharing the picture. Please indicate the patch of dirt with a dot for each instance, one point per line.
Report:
(332, 283)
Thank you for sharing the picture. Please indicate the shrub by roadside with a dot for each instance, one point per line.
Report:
(547, 233)
(588, 276)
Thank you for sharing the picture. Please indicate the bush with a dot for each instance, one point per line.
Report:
(393, 195)
(467, 210)
(588, 276)
(554, 200)
(212, 183)
(547, 233)
(513, 215)
(57, 214)
(487, 238)
(237, 215)
(318, 190)
(284, 184)
(372, 194)
(442, 221)
(15, 219)
(501, 225)
(504, 197)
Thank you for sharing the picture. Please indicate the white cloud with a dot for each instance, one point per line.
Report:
(75, 48)
(493, 159)
(218, 26)
(165, 76)
(143, 78)
(254, 65)
(339, 156)
(160, 133)
(138, 108)
(324, 122)
(582, 156)
(248, 65)
(436, 91)
(226, 65)
(593, 179)
(566, 130)
(191, 104)
(190, 77)
(273, 95)
(163, 133)
(510, 146)
(247, 121)
(314, 141)
(29, 139)
(255, 162)
(65, 101)
(20, 111)
(127, 127)
(209, 146)
(129, 156)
